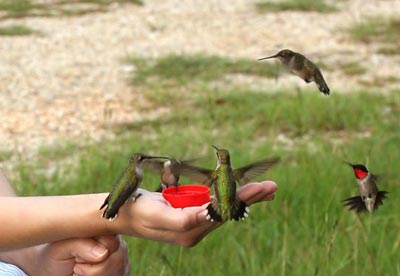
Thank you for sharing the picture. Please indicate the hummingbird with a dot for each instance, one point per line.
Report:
(370, 197)
(169, 171)
(125, 186)
(226, 205)
(302, 67)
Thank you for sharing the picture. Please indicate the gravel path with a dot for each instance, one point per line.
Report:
(61, 85)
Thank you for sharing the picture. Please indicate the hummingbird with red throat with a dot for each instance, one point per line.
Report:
(302, 67)
(370, 197)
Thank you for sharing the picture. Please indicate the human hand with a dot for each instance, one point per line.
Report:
(151, 216)
(104, 255)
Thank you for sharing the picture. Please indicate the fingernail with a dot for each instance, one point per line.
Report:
(99, 251)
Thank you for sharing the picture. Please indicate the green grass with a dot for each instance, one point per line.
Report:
(377, 29)
(20, 8)
(296, 5)
(379, 81)
(305, 230)
(28, 8)
(5, 155)
(16, 30)
(353, 68)
(389, 51)
(183, 69)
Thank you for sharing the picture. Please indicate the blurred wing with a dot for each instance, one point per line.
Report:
(379, 199)
(198, 174)
(245, 174)
(374, 177)
(355, 203)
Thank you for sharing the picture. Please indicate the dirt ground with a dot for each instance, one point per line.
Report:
(64, 84)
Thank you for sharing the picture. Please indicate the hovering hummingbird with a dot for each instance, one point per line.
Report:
(370, 197)
(170, 171)
(126, 185)
(226, 205)
(302, 67)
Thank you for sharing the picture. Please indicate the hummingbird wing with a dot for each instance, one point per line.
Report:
(195, 173)
(355, 203)
(379, 199)
(245, 174)
(374, 177)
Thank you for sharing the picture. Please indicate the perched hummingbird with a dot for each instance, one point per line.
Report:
(169, 171)
(370, 197)
(302, 67)
(126, 185)
(226, 205)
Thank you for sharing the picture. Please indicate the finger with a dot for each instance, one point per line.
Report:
(255, 192)
(115, 265)
(178, 219)
(186, 239)
(83, 250)
(110, 242)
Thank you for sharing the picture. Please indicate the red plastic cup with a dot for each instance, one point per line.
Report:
(187, 195)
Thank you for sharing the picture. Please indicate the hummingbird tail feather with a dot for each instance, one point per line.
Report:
(322, 86)
(239, 210)
(109, 214)
(213, 211)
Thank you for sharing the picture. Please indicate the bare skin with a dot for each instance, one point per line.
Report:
(46, 224)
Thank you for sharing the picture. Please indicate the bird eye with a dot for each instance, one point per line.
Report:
(369, 196)
(363, 197)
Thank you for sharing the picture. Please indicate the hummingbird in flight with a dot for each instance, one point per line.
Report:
(370, 197)
(170, 171)
(126, 185)
(302, 67)
(226, 205)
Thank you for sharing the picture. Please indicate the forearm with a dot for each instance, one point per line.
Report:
(5, 186)
(30, 221)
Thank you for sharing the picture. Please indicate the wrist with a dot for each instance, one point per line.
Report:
(129, 218)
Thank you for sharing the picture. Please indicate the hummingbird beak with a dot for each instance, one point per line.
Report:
(348, 163)
(274, 56)
(215, 147)
(155, 157)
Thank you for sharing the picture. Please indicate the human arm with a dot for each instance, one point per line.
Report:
(5, 186)
(102, 255)
(53, 218)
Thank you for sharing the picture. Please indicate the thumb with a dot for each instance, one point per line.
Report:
(84, 250)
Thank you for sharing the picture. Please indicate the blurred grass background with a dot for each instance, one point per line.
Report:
(305, 230)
